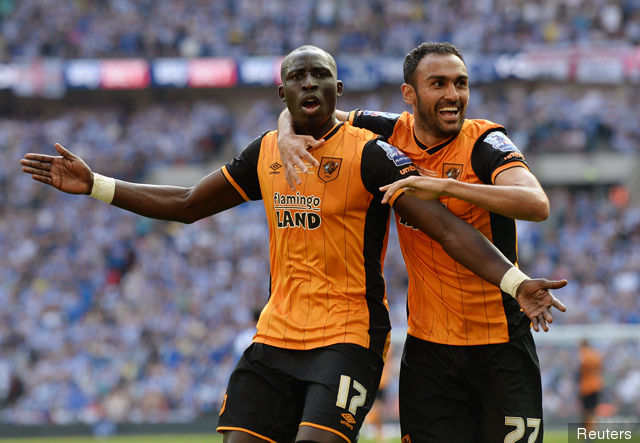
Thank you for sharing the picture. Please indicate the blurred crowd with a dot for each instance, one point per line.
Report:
(186, 28)
(108, 317)
(592, 238)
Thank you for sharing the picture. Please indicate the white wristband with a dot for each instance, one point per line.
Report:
(511, 281)
(104, 188)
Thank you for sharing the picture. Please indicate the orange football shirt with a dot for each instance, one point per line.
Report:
(447, 303)
(327, 239)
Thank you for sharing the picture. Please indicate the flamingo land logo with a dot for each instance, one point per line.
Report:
(329, 168)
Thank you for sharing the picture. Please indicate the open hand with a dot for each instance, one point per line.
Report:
(425, 188)
(66, 172)
(294, 153)
(536, 300)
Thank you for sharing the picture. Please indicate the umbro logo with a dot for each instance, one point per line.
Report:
(274, 168)
(348, 417)
(348, 420)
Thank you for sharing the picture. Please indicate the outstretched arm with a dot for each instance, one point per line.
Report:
(294, 148)
(470, 248)
(517, 193)
(69, 173)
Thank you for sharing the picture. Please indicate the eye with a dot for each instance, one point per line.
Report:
(321, 73)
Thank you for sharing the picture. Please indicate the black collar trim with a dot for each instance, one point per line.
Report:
(332, 132)
(436, 148)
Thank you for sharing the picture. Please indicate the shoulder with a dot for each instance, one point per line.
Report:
(492, 135)
(406, 118)
(478, 128)
(269, 136)
(381, 149)
(375, 114)
(360, 134)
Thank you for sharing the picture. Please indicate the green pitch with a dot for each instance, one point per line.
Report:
(551, 436)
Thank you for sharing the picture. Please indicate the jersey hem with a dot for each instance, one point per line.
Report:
(482, 343)
(512, 336)
(304, 347)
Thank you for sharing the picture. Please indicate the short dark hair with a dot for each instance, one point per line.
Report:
(412, 59)
(286, 63)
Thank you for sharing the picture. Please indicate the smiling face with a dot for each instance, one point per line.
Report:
(438, 93)
(310, 88)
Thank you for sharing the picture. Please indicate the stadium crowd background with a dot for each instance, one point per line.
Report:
(237, 27)
(107, 316)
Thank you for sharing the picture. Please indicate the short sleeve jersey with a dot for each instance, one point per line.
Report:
(447, 303)
(327, 239)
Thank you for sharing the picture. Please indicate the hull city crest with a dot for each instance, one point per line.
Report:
(329, 168)
(451, 170)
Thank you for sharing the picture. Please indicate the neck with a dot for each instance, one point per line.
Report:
(427, 136)
(316, 130)
(424, 137)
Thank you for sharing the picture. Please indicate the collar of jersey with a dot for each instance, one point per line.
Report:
(434, 149)
(332, 131)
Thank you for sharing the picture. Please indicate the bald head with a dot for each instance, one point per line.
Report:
(286, 63)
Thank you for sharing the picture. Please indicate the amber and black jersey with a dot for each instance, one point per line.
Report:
(327, 239)
(447, 303)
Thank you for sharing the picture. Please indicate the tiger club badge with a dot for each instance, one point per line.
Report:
(329, 168)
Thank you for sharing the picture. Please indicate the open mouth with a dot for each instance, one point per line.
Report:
(310, 104)
(449, 113)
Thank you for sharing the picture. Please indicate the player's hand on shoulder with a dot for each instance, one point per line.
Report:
(66, 172)
(536, 300)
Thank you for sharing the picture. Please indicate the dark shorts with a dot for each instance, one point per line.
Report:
(590, 401)
(475, 393)
(272, 391)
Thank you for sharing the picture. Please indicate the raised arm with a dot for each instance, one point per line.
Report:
(293, 148)
(517, 193)
(474, 251)
(69, 173)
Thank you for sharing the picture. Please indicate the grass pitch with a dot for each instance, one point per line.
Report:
(551, 436)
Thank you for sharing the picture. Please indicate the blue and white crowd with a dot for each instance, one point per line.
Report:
(108, 316)
(186, 28)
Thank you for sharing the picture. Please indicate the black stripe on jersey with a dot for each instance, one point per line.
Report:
(503, 232)
(375, 230)
(377, 169)
(331, 133)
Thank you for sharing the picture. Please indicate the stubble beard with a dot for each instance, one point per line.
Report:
(433, 124)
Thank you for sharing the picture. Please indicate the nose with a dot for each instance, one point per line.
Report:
(309, 82)
(451, 92)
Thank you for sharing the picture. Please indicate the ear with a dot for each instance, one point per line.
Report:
(339, 87)
(408, 94)
(281, 92)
